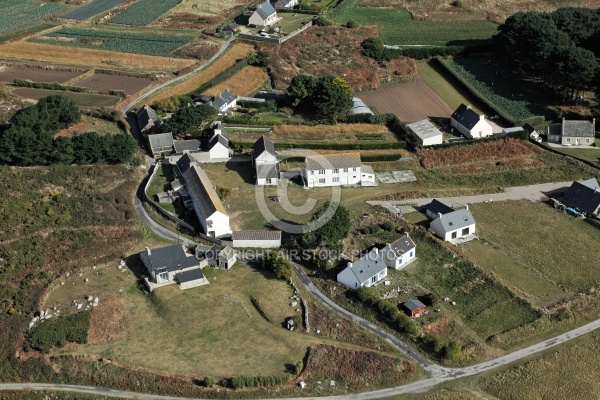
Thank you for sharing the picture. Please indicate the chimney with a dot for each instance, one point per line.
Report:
(466, 207)
(439, 215)
(468, 106)
(594, 126)
(148, 251)
(481, 117)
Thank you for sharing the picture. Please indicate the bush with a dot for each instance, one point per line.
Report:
(352, 24)
(321, 21)
(452, 350)
(279, 264)
(388, 226)
(298, 367)
(57, 332)
(370, 229)
(209, 381)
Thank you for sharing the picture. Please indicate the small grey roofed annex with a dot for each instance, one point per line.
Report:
(466, 116)
(189, 276)
(265, 10)
(186, 145)
(437, 207)
(425, 129)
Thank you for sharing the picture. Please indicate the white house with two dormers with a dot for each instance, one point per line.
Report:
(336, 170)
(400, 253)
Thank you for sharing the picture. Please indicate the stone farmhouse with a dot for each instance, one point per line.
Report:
(265, 162)
(202, 198)
(160, 143)
(469, 123)
(336, 170)
(573, 133)
(264, 15)
(147, 119)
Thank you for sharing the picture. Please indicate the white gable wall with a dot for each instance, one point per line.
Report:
(331, 177)
(217, 225)
(265, 158)
(218, 151)
(438, 229)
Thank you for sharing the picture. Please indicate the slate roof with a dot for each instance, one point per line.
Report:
(170, 257)
(202, 192)
(403, 245)
(231, 27)
(265, 10)
(456, 220)
(256, 235)
(160, 142)
(358, 107)
(216, 138)
(577, 128)
(414, 304)
(530, 129)
(465, 116)
(366, 169)
(368, 266)
(284, 3)
(424, 129)
(437, 206)
(261, 145)
(224, 98)
(186, 145)
(267, 171)
(145, 116)
(584, 196)
(189, 276)
(185, 162)
(329, 161)
(217, 125)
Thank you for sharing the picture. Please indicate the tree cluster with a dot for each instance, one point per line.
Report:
(557, 47)
(279, 264)
(333, 231)
(30, 139)
(449, 349)
(326, 97)
(189, 120)
(398, 319)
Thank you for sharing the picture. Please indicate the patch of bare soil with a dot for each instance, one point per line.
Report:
(107, 323)
(356, 368)
(334, 50)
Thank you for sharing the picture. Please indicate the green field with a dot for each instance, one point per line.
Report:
(396, 27)
(589, 154)
(494, 78)
(82, 99)
(19, 14)
(127, 42)
(144, 12)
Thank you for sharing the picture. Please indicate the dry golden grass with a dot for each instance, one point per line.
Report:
(207, 7)
(244, 83)
(227, 60)
(339, 128)
(89, 57)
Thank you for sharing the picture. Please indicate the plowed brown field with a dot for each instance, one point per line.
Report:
(409, 101)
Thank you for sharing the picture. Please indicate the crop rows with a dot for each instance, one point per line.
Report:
(92, 8)
(144, 12)
(18, 14)
(127, 42)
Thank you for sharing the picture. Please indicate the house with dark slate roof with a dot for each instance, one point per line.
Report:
(573, 133)
(189, 146)
(435, 208)
(584, 196)
(265, 162)
(335, 170)
(454, 225)
(400, 253)
(257, 239)
(469, 123)
(264, 15)
(147, 119)
(285, 4)
(366, 271)
(225, 101)
(160, 143)
(218, 144)
(172, 264)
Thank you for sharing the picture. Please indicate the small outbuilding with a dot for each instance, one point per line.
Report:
(257, 239)
(426, 132)
(414, 307)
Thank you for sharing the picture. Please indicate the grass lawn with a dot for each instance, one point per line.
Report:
(161, 181)
(291, 22)
(91, 100)
(589, 154)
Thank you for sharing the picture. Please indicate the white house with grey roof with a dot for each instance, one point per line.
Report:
(224, 102)
(218, 144)
(160, 143)
(147, 119)
(203, 199)
(426, 132)
(366, 271)
(454, 225)
(257, 239)
(264, 15)
(400, 253)
(335, 170)
(172, 264)
(573, 133)
(469, 123)
(265, 162)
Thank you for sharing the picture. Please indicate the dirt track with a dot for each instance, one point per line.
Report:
(409, 101)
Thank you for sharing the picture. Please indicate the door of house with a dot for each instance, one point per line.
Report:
(577, 142)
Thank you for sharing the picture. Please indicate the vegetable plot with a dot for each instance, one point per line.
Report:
(93, 8)
(18, 14)
(144, 12)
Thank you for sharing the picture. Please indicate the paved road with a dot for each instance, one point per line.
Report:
(149, 93)
(531, 192)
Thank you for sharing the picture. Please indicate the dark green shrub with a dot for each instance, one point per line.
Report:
(209, 381)
(352, 24)
(57, 332)
(388, 226)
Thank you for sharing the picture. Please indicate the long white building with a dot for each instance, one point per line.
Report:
(335, 170)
